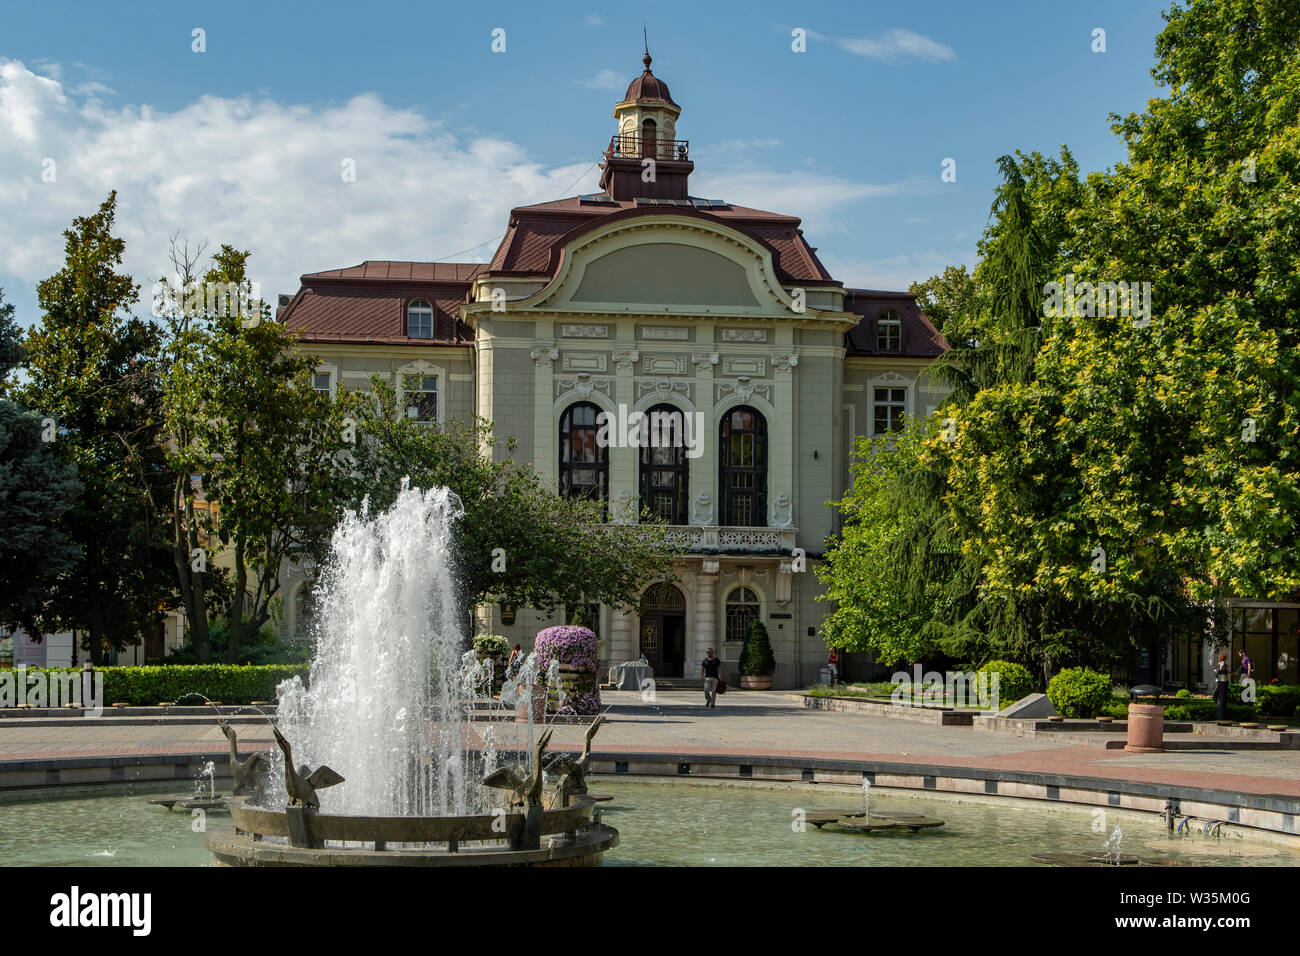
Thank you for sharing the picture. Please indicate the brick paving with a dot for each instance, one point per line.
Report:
(759, 724)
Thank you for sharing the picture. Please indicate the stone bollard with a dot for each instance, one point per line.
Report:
(1146, 729)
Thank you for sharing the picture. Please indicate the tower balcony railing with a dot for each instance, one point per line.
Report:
(712, 539)
(635, 146)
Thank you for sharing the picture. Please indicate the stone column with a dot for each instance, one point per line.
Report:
(621, 627)
(706, 617)
(545, 441)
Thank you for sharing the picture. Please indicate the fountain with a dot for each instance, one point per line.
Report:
(387, 722)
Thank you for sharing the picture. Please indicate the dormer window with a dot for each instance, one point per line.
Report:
(889, 331)
(419, 320)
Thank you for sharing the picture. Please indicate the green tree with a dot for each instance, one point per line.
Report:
(271, 451)
(36, 491)
(946, 298)
(518, 542)
(89, 369)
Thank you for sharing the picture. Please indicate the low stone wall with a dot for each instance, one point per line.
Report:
(946, 716)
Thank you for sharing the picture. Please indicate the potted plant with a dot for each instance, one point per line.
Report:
(756, 659)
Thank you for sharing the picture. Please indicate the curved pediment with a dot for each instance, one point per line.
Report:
(636, 274)
(663, 263)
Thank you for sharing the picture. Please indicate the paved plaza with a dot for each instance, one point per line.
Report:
(750, 723)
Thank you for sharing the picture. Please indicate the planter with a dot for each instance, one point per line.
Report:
(1146, 729)
(755, 683)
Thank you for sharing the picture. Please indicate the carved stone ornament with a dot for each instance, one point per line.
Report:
(782, 511)
(784, 361)
(626, 358)
(702, 513)
(705, 361)
(543, 356)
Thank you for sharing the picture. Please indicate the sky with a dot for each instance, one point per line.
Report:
(246, 141)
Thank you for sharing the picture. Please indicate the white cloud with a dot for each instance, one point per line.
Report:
(257, 174)
(594, 19)
(607, 80)
(894, 273)
(895, 44)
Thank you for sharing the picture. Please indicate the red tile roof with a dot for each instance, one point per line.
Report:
(920, 338)
(536, 234)
(367, 302)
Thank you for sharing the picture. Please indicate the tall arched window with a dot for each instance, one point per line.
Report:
(649, 139)
(584, 465)
(742, 607)
(419, 319)
(664, 467)
(742, 453)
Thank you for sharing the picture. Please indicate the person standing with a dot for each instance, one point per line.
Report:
(1247, 666)
(710, 668)
(516, 659)
(833, 665)
(1221, 687)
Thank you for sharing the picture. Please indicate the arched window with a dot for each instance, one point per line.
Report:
(664, 467)
(742, 607)
(649, 139)
(419, 320)
(584, 465)
(889, 331)
(742, 453)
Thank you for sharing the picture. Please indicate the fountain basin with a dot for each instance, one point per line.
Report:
(569, 838)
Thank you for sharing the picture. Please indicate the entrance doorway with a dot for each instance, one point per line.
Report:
(663, 630)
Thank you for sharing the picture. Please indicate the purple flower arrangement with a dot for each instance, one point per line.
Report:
(574, 647)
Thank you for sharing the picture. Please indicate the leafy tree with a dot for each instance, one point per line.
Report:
(269, 449)
(36, 491)
(518, 542)
(89, 370)
(946, 298)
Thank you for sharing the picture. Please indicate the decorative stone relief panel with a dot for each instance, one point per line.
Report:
(584, 361)
(744, 335)
(665, 386)
(583, 384)
(664, 365)
(670, 334)
(585, 331)
(744, 389)
(753, 365)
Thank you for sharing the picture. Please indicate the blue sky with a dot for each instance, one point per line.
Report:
(243, 143)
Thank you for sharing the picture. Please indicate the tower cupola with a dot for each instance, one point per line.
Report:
(645, 159)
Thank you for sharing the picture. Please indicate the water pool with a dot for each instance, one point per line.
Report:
(666, 824)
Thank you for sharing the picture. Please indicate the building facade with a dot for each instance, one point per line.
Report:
(716, 321)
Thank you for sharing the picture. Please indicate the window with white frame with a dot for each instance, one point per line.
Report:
(419, 320)
(889, 407)
(420, 396)
(889, 331)
(320, 381)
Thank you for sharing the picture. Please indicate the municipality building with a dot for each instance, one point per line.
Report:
(645, 301)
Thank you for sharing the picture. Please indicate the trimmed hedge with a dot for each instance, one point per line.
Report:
(1278, 700)
(1079, 692)
(1014, 681)
(228, 683)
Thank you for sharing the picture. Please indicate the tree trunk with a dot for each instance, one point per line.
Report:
(236, 616)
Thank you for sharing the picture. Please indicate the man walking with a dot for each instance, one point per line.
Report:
(710, 668)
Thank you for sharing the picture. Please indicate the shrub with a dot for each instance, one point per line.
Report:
(1014, 681)
(1278, 700)
(1183, 694)
(574, 647)
(757, 659)
(1115, 708)
(1079, 692)
(228, 683)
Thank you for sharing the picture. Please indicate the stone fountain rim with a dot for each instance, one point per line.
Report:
(410, 829)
